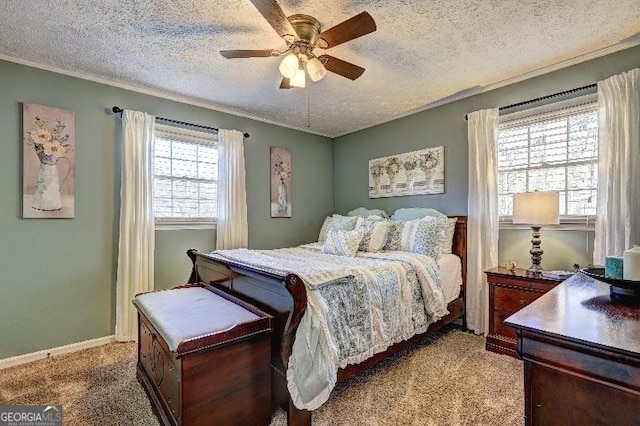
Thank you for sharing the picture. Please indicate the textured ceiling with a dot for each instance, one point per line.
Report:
(423, 52)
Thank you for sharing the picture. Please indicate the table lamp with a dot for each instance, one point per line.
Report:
(536, 209)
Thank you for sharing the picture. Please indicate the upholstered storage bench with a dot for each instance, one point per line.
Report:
(204, 357)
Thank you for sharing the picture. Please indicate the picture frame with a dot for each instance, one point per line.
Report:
(411, 173)
(48, 162)
(280, 182)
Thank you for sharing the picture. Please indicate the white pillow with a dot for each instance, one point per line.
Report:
(375, 231)
(342, 243)
(449, 230)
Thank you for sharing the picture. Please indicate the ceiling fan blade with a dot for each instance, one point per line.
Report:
(285, 83)
(231, 54)
(352, 28)
(275, 16)
(340, 67)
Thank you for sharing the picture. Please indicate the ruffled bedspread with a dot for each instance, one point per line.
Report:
(356, 308)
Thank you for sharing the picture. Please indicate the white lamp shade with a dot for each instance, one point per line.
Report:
(316, 70)
(298, 80)
(289, 65)
(536, 208)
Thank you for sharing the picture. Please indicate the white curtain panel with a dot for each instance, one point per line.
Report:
(232, 228)
(482, 225)
(137, 234)
(618, 211)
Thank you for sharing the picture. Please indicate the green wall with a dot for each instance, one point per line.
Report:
(445, 126)
(57, 284)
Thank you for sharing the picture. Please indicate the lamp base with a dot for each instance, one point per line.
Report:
(534, 271)
(536, 252)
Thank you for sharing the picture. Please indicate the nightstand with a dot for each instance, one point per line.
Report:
(510, 291)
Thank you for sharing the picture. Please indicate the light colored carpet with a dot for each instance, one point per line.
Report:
(448, 379)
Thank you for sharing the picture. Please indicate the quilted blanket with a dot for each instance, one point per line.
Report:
(356, 307)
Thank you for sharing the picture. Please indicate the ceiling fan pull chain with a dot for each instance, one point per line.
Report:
(308, 110)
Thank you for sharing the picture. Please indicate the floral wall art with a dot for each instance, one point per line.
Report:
(280, 182)
(411, 173)
(48, 184)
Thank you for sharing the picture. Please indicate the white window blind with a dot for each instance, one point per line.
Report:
(554, 150)
(186, 177)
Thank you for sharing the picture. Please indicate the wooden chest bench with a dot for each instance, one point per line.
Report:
(204, 357)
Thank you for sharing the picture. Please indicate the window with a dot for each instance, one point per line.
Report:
(555, 150)
(186, 178)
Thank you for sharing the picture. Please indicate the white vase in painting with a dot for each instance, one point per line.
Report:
(283, 205)
(47, 193)
(376, 184)
(392, 183)
(411, 175)
(428, 178)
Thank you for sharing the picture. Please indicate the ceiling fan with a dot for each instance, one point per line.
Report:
(302, 33)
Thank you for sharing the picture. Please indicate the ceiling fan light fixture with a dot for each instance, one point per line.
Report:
(316, 70)
(289, 65)
(298, 80)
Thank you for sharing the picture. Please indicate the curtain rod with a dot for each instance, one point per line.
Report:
(118, 110)
(543, 98)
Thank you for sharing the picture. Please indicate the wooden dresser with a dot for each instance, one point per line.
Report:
(581, 356)
(508, 293)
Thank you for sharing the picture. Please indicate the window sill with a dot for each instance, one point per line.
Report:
(564, 226)
(177, 225)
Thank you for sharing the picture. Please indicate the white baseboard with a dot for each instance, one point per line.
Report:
(23, 359)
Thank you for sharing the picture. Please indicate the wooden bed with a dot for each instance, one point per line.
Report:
(285, 298)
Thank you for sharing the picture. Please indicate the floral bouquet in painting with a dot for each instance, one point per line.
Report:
(282, 169)
(377, 170)
(410, 164)
(392, 166)
(49, 142)
(428, 162)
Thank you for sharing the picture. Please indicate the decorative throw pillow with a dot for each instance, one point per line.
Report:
(375, 231)
(342, 243)
(394, 235)
(423, 236)
(337, 223)
(343, 223)
(449, 230)
(324, 229)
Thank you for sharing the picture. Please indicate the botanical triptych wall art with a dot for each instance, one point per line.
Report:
(280, 182)
(411, 173)
(48, 184)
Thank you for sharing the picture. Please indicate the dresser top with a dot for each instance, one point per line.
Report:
(580, 309)
(520, 273)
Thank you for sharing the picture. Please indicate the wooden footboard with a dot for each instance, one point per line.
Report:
(285, 298)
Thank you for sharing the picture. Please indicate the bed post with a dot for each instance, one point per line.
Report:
(297, 417)
(192, 253)
(460, 249)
